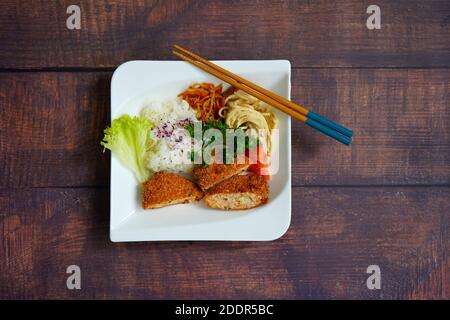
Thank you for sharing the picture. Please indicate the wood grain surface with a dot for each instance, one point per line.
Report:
(400, 117)
(385, 200)
(308, 33)
(334, 235)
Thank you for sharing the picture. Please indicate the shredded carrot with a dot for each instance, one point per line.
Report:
(206, 99)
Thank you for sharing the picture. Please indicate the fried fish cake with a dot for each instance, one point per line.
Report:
(165, 189)
(213, 174)
(238, 193)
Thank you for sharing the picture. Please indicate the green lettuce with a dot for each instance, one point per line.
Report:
(129, 139)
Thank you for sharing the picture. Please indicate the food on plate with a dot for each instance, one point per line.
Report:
(172, 146)
(261, 165)
(206, 99)
(215, 173)
(229, 92)
(166, 188)
(242, 143)
(244, 110)
(238, 193)
(129, 139)
(190, 135)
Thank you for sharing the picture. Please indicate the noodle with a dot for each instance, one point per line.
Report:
(244, 110)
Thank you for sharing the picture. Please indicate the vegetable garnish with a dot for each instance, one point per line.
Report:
(262, 165)
(239, 145)
(129, 139)
(206, 99)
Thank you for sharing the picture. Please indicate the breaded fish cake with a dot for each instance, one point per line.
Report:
(165, 188)
(238, 193)
(213, 174)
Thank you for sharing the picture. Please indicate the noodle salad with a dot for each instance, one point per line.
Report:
(235, 110)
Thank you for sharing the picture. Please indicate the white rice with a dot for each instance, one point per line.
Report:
(173, 143)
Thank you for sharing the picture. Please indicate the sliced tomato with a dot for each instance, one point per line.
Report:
(261, 167)
(260, 170)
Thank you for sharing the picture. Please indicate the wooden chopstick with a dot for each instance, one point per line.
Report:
(238, 85)
(267, 99)
(270, 94)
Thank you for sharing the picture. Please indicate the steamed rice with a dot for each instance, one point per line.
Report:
(172, 151)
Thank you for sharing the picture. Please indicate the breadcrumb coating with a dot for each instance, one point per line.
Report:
(208, 177)
(238, 193)
(165, 188)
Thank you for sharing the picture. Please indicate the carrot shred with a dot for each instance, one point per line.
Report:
(206, 99)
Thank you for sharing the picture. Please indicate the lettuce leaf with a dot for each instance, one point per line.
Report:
(129, 139)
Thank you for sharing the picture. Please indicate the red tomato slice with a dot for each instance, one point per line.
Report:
(260, 170)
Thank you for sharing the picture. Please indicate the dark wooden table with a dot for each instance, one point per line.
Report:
(385, 200)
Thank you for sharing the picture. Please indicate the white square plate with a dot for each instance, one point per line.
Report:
(136, 82)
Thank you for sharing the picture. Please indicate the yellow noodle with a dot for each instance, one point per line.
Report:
(244, 110)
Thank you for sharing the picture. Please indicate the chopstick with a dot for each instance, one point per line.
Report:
(298, 112)
(273, 95)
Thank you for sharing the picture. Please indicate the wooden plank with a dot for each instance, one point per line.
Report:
(436, 286)
(51, 125)
(335, 234)
(309, 33)
(51, 128)
(401, 124)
